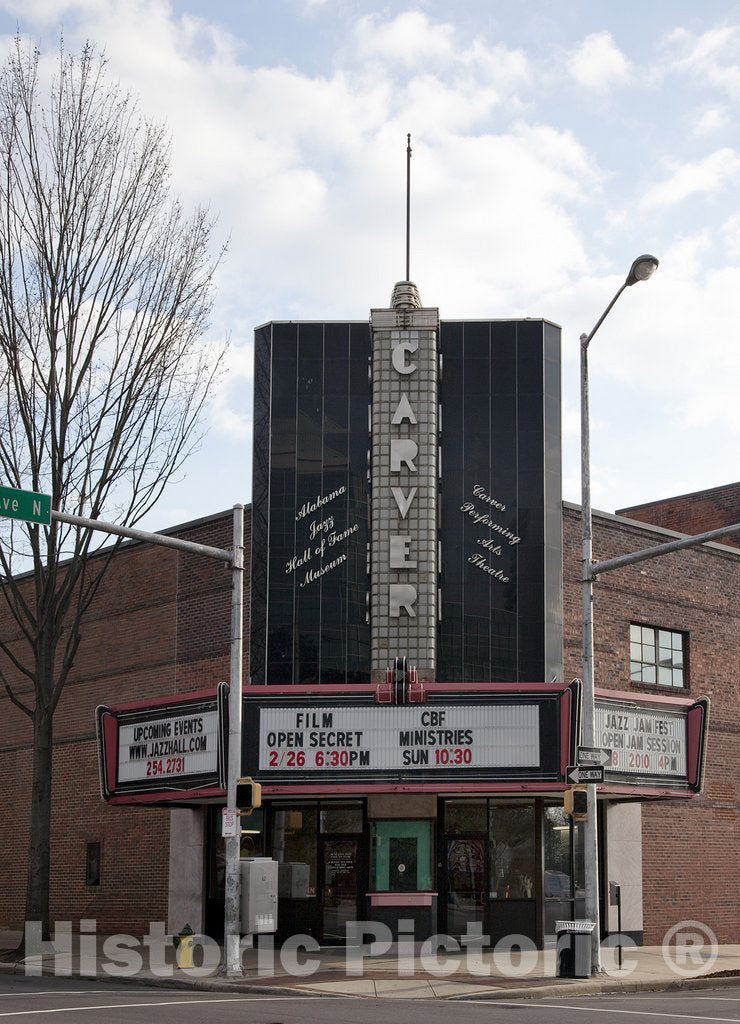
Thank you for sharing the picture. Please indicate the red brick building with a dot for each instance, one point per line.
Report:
(412, 653)
(693, 513)
(159, 626)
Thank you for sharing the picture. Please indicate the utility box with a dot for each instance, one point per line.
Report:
(259, 888)
(293, 881)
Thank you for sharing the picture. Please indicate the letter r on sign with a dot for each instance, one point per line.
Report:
(401, 595)
(403, 450)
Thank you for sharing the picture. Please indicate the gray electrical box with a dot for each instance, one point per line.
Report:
(259, 888)
(293, 881)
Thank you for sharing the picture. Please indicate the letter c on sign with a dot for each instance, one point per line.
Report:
(399, 356)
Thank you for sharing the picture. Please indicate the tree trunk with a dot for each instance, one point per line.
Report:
(37, 889)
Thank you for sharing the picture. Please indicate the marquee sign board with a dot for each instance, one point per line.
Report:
(177, 744)
(164, 745)
(470, 736)
(652, 745)
(394, 738)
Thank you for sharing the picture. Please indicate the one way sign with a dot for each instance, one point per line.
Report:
(593, 755)
(577, 773)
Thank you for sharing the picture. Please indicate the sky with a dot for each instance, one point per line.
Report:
(553, 142)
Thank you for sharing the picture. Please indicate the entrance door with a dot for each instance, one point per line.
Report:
(340, 867)
(467, 893)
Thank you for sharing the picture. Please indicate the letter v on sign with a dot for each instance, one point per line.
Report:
(403, 500)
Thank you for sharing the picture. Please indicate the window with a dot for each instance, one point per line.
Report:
(563, 842)
(341, 818)
(92, 864)
(294, 841)
(657, 656)
(511, 849)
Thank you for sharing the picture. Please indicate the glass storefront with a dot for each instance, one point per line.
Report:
(563, 880)
(503, 866)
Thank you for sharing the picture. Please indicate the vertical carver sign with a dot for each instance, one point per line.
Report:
(405, 468)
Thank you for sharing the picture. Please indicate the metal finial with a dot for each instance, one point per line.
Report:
(408, 206)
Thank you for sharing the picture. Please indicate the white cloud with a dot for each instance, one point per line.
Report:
(412, 44)
(234, 424)
(730, 234)
(697, 51)
(409, 38)
(306, 170)
(712, 56)
(711, 121)
(598, 63)
(701, 176)
(668, 330)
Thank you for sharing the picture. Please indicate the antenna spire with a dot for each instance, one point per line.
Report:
(408, 205)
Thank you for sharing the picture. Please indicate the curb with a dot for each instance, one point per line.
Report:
(578, 989)
(595, 988)
(215, 984)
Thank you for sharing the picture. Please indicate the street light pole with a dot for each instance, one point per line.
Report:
(642, 268)
(232, 881)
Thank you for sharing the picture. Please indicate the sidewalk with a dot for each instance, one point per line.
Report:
(332, 973)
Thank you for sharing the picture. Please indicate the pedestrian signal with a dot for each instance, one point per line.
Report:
(575, 802)
(248, 795)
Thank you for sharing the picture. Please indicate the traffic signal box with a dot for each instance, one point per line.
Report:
(248, 795)
(575, 802)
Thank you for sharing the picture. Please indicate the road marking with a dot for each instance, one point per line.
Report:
(171, 1002)
(602, 1009)
(72, 992)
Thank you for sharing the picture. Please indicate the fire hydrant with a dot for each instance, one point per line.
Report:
(184, 947)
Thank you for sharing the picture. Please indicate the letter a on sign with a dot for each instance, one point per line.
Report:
(403, 412)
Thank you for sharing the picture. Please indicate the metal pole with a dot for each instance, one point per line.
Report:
(232, 881)
(641, 270)
(236, 558)
(590, 837)
(663, 549)
(408, 206)
(143, 535)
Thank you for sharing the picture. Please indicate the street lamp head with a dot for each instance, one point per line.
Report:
(643, 268)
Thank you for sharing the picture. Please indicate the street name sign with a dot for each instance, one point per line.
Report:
(593, 756)
(26, 505)
(577, 773)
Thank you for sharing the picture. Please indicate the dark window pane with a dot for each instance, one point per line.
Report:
(341, 818)
(92, 864)
(465, 816)
(511, 849)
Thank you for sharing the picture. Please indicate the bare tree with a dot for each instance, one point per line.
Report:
(105, 294)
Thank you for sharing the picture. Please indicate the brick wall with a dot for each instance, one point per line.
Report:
(690, 848)
(698, 512)
(160, 624)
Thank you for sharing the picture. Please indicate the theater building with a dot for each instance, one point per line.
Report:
(412, 703)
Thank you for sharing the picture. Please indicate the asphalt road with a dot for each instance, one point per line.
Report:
(47, 999)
